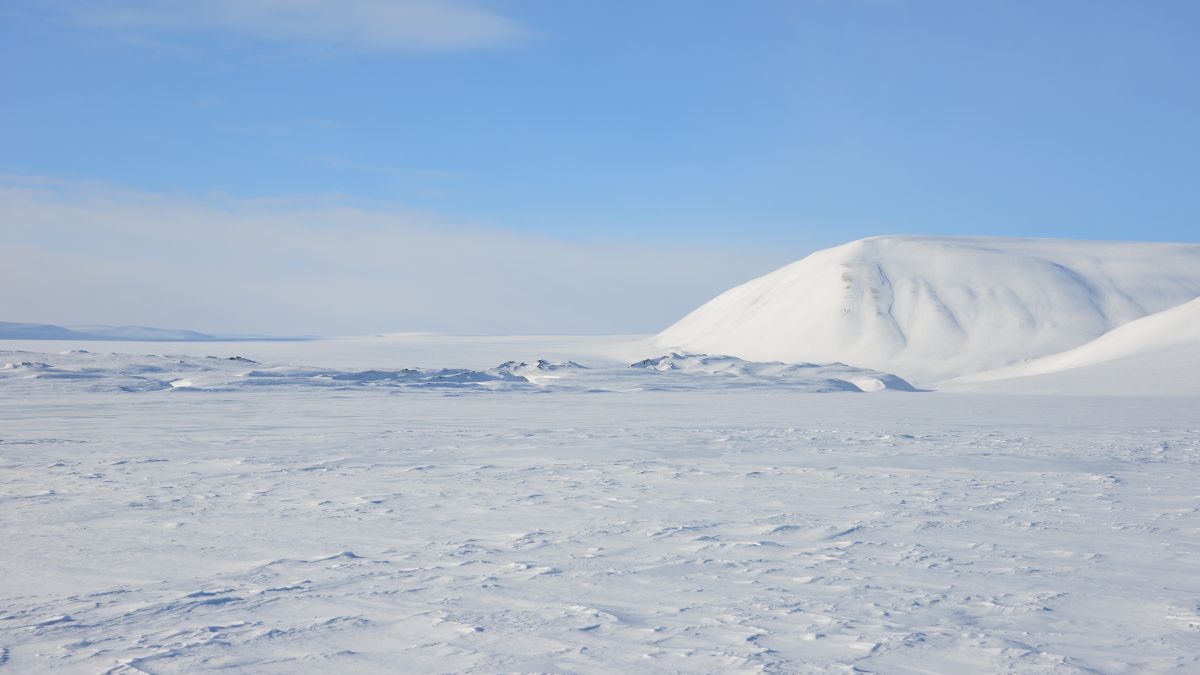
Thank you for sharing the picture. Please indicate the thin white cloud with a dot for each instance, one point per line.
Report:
(344, 25)
(90, 253)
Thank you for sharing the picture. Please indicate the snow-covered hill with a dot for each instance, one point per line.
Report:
(45, 331)
(144, 333)
(932, 308)
(1157, 354)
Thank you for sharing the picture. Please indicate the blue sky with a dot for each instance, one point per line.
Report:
(752, 131)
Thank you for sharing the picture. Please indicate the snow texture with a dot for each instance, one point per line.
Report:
(817, 377)
(690, 514)
(933, 308)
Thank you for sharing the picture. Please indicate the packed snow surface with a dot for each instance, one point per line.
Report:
(932, 308)
(1157, 354)
(258, 513)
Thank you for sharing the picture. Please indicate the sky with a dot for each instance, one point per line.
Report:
(537, 166)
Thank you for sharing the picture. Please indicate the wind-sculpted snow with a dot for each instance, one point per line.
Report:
(406, 377)
(131, 373)
(296, 529)
(932, 308)
(813, 376)
(123, 372)
(540, 366)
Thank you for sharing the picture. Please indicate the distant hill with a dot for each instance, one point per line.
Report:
(143, 333)
(933, 308)
(46, 331)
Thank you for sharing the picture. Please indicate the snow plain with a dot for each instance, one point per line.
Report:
(308, 526)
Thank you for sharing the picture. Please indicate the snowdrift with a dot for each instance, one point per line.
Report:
(1157, 354)
(933, 308)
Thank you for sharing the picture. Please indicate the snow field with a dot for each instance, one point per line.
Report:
(306, 530)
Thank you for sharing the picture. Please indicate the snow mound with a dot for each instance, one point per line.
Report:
(541, 365)
(1157, 354)
(933, 308)
(541, 371)
(24, 365)
(818, 377)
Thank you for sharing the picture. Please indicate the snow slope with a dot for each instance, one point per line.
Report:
(932, 308)
(1157, 354)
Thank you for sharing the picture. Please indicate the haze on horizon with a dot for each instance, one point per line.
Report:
(536, 167)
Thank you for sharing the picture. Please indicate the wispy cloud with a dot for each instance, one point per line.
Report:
(81, 252)
(344, 25)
